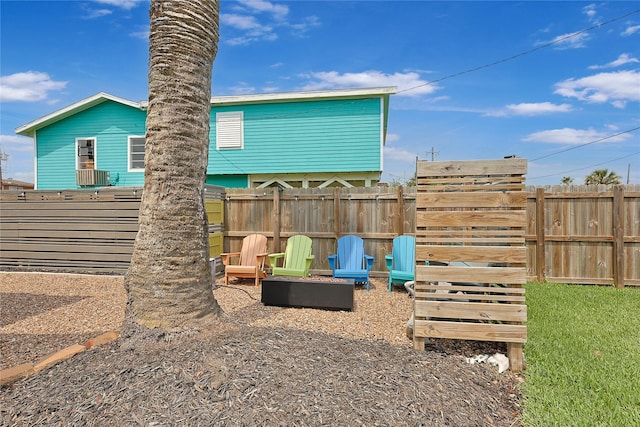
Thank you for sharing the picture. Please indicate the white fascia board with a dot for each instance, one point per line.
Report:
(304, 95)
(30, 128)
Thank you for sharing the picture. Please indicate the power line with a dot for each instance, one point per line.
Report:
(587, 143)
(460, 73)
(526, 52)
(586, 167)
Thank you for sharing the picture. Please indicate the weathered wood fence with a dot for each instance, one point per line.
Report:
(81, 230)
(584, 234)
(324, 214)
(587, 235)
(574, 234)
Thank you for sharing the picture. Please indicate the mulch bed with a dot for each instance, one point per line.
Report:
(236, 374)
(257, 376)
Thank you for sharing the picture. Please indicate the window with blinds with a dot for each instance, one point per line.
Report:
(136, 153)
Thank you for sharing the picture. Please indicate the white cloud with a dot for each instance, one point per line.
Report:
(631, 30)
(394, 153)
(123, 4)
(30, 86)
(404, 81)
(277, 10)
(252, 29)
(242, 89)
(16, 143)
(531, 109)
(623, 59)
(392, 137)
(572, 136)
(618, 88)
(142, 34)
(568, 41)
(97, 13)
(259, 20)
(590, 11)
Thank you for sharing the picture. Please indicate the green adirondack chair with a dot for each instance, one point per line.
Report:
(401, 263)
(296, 258)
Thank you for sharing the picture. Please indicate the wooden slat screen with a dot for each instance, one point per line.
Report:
(471, 222)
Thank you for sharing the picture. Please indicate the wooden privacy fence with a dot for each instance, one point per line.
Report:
(587, 235)
(584, 234)
(81, 230)
(323, 214)
(472, 217)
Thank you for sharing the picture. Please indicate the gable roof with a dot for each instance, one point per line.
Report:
(30, 128)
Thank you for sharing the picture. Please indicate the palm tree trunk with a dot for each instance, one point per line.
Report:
(169, 280)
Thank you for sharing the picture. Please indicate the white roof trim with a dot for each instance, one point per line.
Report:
(30, 128)
(312, 94)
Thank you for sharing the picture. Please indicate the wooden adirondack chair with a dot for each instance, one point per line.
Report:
(296, 258)
(401, 263)
(250, 259)
(350, 262)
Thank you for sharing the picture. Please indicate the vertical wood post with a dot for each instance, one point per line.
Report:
(540, 250)
(618, 236)
(336, 212)
(276, 220)
(515, 353)
(400, 207)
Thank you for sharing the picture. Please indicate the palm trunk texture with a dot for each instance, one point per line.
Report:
(169, 279)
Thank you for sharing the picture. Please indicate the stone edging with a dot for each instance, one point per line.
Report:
(10, 375)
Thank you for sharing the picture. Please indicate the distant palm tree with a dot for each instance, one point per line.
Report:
(567, 180)
(602, 176)
(169, 277)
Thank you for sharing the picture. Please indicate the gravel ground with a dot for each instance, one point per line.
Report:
(258, 366)
(41, 313)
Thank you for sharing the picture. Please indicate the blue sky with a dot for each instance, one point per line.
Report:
(557, 83)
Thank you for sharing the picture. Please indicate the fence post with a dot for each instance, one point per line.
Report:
(276, 219)
(540, 250)
(400, 225)
(618, 236)
(336, 212)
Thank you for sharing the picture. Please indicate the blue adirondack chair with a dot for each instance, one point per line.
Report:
(350, 262)
(401, 263)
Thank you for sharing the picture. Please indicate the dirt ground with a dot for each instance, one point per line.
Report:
(258, 365)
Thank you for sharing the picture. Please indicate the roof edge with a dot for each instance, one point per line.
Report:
(299, 95)
(29, 128)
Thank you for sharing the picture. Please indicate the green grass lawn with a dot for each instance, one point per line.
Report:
(582, 356)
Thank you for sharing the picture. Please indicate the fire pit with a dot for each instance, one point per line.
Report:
(313, 292)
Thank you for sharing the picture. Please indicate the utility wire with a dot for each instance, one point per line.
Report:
(460, 73)
(587, 143)
(586, 167)
(526, 52)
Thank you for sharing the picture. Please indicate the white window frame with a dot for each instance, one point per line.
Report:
(129, 154)
(230, 130)
(94, 151)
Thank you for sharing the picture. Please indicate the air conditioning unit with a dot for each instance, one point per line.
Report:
(92, 177)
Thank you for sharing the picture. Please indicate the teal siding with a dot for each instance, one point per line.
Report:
(298, 137)
(111, 123)
(228, 181)
(281, 137)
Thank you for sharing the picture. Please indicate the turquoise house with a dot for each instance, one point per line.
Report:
(294, 140)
